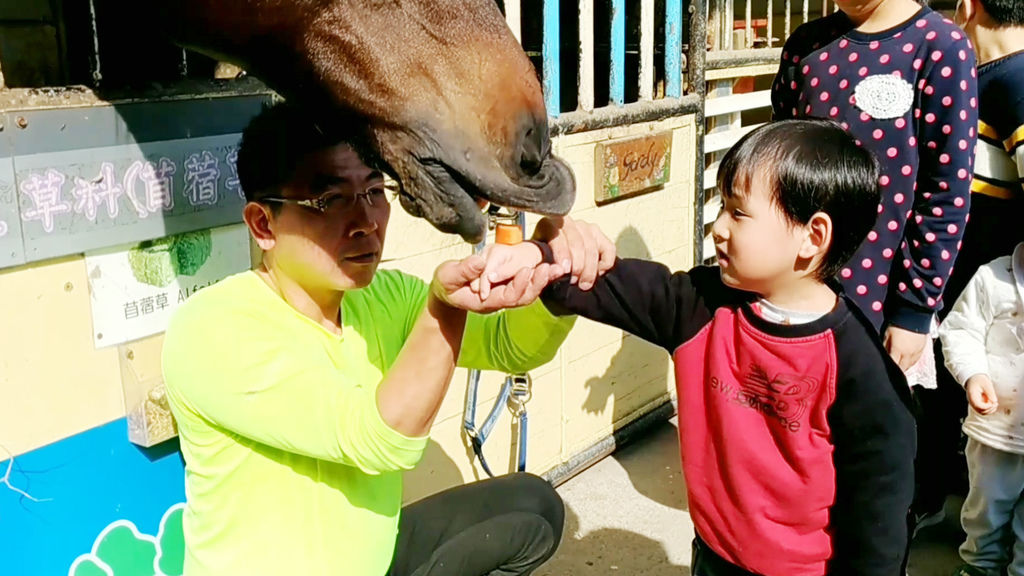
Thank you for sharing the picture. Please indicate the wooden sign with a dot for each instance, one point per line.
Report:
(633, 165)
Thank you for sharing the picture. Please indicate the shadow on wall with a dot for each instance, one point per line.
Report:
(435, 472)
(608, 551)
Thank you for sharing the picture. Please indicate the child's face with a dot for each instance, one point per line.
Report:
(757, 246)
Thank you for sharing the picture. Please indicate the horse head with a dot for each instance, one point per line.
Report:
(451, 105)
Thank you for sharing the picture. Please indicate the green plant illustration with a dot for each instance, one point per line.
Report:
(121, 550)
(158, 262)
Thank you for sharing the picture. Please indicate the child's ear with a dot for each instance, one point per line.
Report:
(819, 236)
(258, 218)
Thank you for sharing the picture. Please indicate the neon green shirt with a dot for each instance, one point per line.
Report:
(289, 467)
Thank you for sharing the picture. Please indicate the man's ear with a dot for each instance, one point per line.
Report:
(259, 219)
(966, 10)
(819, 237)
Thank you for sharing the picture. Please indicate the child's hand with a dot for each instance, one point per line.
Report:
(905, 346)
(982, 394)
(453, 281)
(581, 248)
(504, 262)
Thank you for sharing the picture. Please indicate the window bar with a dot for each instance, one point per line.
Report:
(674, 47)
(771, 16)
(789, 9)
(749, 31)
(552, 64)
(807, 10)
(646, 50)
(587, 52)
(94, 61)
(617, 80)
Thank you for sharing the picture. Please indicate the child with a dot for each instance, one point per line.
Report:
(796, 436)
(900, 77)
(983, 342)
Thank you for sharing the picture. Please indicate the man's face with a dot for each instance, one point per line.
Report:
(339, 247)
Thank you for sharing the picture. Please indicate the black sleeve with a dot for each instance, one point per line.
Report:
(874, 434)
(645, 299)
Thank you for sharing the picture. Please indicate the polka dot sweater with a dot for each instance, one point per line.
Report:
(909, 94)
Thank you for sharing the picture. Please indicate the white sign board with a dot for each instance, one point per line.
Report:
(134, 289)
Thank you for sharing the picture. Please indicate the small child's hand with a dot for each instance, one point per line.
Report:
(982, 394)
(504, 262)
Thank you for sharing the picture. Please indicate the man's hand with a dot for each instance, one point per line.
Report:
(905, 346)
(579, 247)
(453, 285)
(982, 394)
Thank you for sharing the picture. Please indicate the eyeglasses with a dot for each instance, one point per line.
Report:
(336, 203)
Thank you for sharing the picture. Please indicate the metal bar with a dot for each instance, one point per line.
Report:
(749, 31)
(807, 9)
(514, 18)
(632, 113)
(617, 80)
(697, 59)
(789, 11)
(735, 58)
(771, 16)
(646, 89)
(673, 48)
(587, 55)
(551, 55)
(94, 60)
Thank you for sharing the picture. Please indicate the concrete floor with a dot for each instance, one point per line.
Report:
(628, 515)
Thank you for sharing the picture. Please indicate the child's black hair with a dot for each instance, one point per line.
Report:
(1005, 12)
(812, 166)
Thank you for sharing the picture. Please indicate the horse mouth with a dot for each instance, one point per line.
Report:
(454, 198)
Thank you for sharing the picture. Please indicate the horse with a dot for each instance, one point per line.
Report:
(450, 104)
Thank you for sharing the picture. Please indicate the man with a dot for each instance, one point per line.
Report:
(996, 29)
(303, 388)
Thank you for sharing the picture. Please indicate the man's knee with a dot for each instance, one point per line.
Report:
(535, 495)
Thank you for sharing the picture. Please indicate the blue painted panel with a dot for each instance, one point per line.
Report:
(92, 484)
(673, 47)
(552, 54)
(617, 82)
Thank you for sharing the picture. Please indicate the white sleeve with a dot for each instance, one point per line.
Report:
(964, 329)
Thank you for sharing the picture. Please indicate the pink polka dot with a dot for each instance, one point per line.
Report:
(963, 85)
(823, 56)
(930, 236)
(881, 208)
(908, 47)
(823, 97)
(833, 69)
(878, 134)
(936, 56)
(952, 229)
(971, 132)
(937, 281)
(963, 55)
(814, 82)
(862, 289)
(947, 129)
(947, 101)
(900, 123)
(931, 301)
(844, 43)
(918, 283)
(898, 198)
(843, 84)
(846, 273)
(931, 35)
(921, 84)
(956, 35)
(864, 70)
(892, 152)
(918, 63)
(833, 112)
(902, 287)
(926, 263)
(806, 69)
(912, 141)
(917, 113)
(944, 159)
(893, 225)
(946, 72)
(906, 170)
(945, 255)
(959, 202)
(918, 219)
(853, 57)
(897, 73)
(963, 145)
(792, 85)
(937, 211)
(876, 306)
(866, 263)
(963, 114)
(887, 253)
(874, 45)
(906, 263)
(921, 23)
(872, 236)
(961, 174)
(884, 59)
(974, 102)
(943, 185)
(883, 279)
(844, 125)
(884, 180)
(807, 109)
(932, 145)
(929, 118)
(864, 117)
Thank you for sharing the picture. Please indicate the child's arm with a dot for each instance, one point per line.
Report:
(645, 299)
(964, 331)
(874, 436)
(784, 88)
(947, 120)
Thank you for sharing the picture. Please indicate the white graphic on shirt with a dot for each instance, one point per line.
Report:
(884, 96)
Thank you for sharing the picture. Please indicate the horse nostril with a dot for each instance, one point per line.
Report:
(532, 151)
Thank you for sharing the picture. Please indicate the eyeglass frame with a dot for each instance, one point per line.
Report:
(319, 203)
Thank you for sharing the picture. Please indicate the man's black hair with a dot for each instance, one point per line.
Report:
(1005, 12)
(277, 140)
(811, 166)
